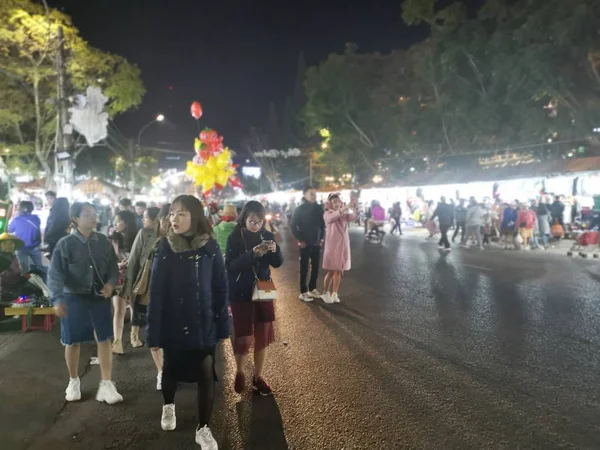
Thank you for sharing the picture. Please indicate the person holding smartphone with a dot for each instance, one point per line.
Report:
(336, 256)
(82, 276)
(251, 252)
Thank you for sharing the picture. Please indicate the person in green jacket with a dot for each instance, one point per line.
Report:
(226, 226)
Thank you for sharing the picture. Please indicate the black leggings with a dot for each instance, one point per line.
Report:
(206, 391)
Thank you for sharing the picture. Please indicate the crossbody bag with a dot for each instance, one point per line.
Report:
(264, 291)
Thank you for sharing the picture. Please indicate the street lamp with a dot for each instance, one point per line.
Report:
(158, 118)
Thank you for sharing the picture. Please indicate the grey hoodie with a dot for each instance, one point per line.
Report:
(474, 216)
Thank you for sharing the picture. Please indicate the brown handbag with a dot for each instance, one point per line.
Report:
(143, 281)
(141, 285)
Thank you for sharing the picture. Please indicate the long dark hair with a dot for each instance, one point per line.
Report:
(252, 207)
(125, 240)
(190, 203)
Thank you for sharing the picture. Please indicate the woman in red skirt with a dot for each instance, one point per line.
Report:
(251, 252)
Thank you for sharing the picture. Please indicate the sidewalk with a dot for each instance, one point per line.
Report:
(33, 378)
(561, 247)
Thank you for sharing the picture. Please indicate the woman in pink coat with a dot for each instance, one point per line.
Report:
(336, 256)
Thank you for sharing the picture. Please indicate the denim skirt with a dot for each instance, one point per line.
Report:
(84, 316)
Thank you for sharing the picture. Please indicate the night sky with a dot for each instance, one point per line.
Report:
(233, 56)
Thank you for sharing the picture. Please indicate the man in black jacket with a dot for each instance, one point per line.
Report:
(445, 214)
(308, 228)
(58, 220)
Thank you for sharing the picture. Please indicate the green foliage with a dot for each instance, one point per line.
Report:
(513, 75)
(28, 51)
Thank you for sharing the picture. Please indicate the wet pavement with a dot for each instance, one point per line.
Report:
(467, 350)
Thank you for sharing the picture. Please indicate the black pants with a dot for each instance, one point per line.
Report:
(396, 226)
(459, 226)
(313, 255)
(444, 232)
(205, 394)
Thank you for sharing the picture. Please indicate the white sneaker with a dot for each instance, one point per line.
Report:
(327, 298)
(168, 421)
(205, 439)
(73, 392)
(107, 392)
(335, 298)
(159, 381)
(315, 294)
(305, 297)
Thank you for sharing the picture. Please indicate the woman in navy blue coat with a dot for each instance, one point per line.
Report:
(187, 311)
(251, 252)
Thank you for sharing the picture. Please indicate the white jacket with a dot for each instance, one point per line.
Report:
(474, 216)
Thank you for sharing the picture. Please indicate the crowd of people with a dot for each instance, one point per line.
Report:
(518, 225)
(190, 274)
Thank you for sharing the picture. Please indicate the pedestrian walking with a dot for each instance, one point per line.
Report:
(82, 276)
(544, 223)
(138, 275)
(308, 228)
(58, 222)
(460, 218)
(122, 239)
(508, 224)
(474, 222)
(187, 311)
(445, 214)
(526, 222)
(251, 252)
(396, 216)
(226, 226)
(336, 255)
(26, 226)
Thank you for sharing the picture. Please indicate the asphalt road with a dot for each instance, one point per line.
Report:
(467, 350)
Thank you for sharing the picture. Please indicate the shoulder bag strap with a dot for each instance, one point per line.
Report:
(246, 247)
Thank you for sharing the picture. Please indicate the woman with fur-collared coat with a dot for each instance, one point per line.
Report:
(187, 312)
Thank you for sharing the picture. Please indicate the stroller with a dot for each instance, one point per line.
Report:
(376, 233)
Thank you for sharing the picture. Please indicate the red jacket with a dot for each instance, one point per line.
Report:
(527, 217)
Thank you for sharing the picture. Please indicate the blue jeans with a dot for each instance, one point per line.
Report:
(29, 258)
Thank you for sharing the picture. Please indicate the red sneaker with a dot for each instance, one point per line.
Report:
(240, 382)
(260, 386)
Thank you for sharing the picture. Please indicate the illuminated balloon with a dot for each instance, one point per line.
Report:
(196, 110)
(197, 144)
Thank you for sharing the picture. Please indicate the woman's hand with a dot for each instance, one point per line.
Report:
(60, 310)
(260, 250)
(272, 247)
(107, 290)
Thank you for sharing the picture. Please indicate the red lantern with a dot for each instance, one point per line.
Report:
(196, 110)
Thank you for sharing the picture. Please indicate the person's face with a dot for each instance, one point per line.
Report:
(311, 196)
(8, 246)
(139, 210)
(122, 208)
(181, 219)
(147, 222)
(165, 224)
(88, 218)
(120, 225)
(254, 223)
(336, 203)
(50, 200)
